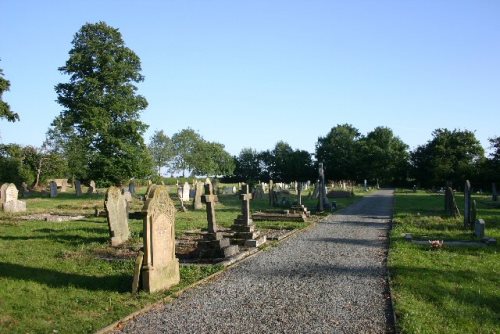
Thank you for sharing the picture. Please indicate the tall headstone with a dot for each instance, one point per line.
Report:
(160, 268)
(450, 204)
(185, 192)
(209, 199)
(117, 216)
(467, 205)
(494, 194)
(78, 188)
(197, 203)
(244, 227)
(53, 189)
(10, 201)
(322, 194)
(92, 188)
(271, 193)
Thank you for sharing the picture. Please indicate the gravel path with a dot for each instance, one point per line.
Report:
(329, 279)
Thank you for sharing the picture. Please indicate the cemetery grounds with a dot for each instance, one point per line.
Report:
(448, 289)
(64, 277)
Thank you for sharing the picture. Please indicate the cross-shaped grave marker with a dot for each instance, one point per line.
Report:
(209, 199)
(245, 198)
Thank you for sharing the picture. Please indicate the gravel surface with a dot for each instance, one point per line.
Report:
(328, 279)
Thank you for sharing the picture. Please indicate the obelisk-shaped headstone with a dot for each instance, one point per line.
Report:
(160, 266)
(117, 216)
(467, 205)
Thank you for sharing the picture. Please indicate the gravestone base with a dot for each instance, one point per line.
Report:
(14, 206)
(162, 278)
(119, 239)
(246, 235)
(300, 209)
(215, 246)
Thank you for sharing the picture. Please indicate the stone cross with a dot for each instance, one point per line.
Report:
(78, 188)
(209, 199)
(494, 195)
(117, 216)
(53, 189)
(467, 205)
(245, 198)
(299, 192)
(160, 268)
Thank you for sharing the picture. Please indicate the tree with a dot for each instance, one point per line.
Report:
(450, 156)
(161, 149)
(383, 157)
(5, 111)
(184, 143)
(248, 166)
(100, 122)
(339, 150)
(211, 159)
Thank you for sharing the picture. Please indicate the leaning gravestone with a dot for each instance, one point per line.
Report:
(11, 203)
(467, 205)
(78, 188)
(494, 195)
(117, 216)
(160, 269)
(244, 227)
(197, 204)
(53, 189)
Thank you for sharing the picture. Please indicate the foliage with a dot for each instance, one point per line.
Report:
(384, 157)
(247, 166)
(5, 111)
(100, 122)
(211, 159)
(339, 151)
(161, 149)
(184, 143)
(450, 156)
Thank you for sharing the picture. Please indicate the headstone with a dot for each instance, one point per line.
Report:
(78, 188)
(131, 187)
(494, 195)
(209, 199)
(185, 192)
(365, 185)
(479, 228)
(450, 205)
(53, 189)
(2, 192)
(197, 204)
(271, 195)
(117, 216)
(244, 227)
(322, 193)
(92, 188)
(160, 268)
(467, 205)
(10, 201)
(64, 185)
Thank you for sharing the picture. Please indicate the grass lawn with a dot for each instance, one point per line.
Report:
(449, 290)
(63, 277)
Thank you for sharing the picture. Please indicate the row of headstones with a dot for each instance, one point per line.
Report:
(470, 210)
(8, 199)
(53, 185)
(160, 268)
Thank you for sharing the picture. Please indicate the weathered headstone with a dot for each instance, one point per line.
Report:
(160, 268)
(467, 205)
(185, 192)
(2, 192)
(78, 188)
(450, 204)
(244, 227)
(479, 227)
(10, 201)
(53, 189)
(117, 216)
(131, 187)
(197, 204)
(92, 188)
(494, 194)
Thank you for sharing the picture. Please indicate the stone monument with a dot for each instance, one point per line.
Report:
(160, 269)
(467, 205)
(244, 227)
(53, 189)
(197, 203)
(92, 188)
(10, 203)
(78, 188)
(117, 216)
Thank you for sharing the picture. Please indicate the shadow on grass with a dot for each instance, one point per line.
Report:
(64, 235)
(56, 279)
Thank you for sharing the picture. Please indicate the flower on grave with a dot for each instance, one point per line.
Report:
(436, 244)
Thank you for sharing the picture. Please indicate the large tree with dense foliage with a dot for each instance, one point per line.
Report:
(340, 150)
(384, 157)
(100, 122)
(161, 149)
(5, 111)
(211, 159)
(449, 156)
(184, 144)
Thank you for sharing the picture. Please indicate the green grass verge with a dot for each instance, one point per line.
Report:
(64, 277)
(449, 290)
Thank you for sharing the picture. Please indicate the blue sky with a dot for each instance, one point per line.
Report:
(251, 73)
